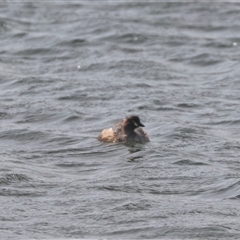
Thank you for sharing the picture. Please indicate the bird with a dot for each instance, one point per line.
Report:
(127, 130)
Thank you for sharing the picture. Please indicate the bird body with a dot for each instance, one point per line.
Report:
(127, 130)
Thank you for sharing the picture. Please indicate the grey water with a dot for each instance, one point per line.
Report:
(69, 70)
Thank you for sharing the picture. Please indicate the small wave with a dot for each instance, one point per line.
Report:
(21, 193)
(77, 42)
(204, 59)
(225, 122)
(71, 118)
(10, 178)
(36, 52)
(189, 162)
(24, 135)
(127, 38)
(188, 105)
(225, 189)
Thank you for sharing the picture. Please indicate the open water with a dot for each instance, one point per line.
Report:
(70, 69)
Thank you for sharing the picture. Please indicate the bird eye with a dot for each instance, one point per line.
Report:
(135, 123)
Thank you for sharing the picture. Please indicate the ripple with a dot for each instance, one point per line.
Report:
(72, 118)
(189, 162)
(21, 193)
(12, 178)
(24, 135)
(127, 38)
(77, 42)
(188, 105)
(226, 189)
(35, 52)
(204, 60)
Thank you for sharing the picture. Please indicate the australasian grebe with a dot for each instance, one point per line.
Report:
(127, 130)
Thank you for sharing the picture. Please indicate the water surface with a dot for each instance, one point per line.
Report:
(68, 70)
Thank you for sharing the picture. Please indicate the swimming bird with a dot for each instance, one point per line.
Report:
(127, 130)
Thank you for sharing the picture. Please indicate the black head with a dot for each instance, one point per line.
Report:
(134, 121)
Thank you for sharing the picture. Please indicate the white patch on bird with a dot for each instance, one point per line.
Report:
(135, 123)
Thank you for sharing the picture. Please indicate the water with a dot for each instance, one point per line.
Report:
(68, 70)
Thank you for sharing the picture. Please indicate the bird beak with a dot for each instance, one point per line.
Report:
(141, 125)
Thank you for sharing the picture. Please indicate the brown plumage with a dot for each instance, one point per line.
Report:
(127, 130)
